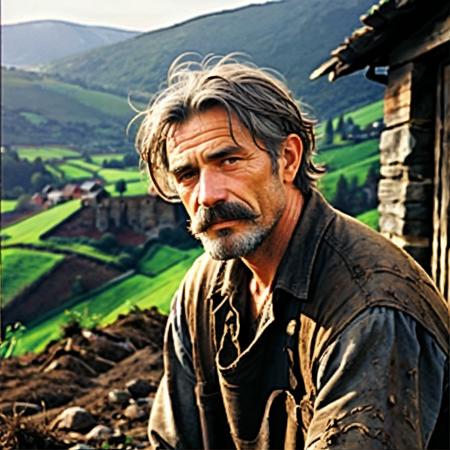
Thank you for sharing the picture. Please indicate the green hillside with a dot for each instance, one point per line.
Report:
(8, 205)
(45, 153)
(21, 267)
(370, 218)
(290, 36)
(42, 110)
(135, 291)
(30, 230)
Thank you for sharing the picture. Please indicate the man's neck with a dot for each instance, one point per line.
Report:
(265, 261)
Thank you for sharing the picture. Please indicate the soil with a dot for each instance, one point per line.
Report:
(82, 370)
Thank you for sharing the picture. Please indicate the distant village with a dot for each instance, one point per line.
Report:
(90, 192)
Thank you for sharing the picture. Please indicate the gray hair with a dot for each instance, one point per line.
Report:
(257, 97)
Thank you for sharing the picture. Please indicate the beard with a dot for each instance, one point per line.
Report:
(229, 244)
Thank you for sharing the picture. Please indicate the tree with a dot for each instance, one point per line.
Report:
(341, 126)
(341, 197)
(121, 187)
(23, 203)
(329, 132)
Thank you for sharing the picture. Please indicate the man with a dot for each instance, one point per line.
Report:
(299, 327)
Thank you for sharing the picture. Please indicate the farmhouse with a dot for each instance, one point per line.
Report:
(406, 46)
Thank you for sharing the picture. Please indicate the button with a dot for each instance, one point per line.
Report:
(291, 326)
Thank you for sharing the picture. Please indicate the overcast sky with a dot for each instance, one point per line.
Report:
(139, 15)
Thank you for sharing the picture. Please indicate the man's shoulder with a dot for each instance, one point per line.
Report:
(357, 268)
(363, 249)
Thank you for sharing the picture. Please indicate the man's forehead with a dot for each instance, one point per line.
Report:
(202, 127)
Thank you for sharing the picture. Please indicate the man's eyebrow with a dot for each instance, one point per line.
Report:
(223, 152)
(179, 168)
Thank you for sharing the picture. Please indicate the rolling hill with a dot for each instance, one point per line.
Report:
(53, 39)
(292, 36)
(39, 110)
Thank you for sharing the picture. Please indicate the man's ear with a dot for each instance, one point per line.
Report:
(291, 154)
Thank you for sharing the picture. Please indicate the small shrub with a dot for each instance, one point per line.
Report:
(12, 335)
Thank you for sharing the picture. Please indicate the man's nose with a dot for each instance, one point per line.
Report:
(211, 189)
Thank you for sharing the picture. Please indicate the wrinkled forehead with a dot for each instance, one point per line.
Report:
(203, 128)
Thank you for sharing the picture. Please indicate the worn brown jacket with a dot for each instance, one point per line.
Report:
(333, 272)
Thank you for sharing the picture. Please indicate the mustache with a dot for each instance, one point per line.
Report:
(206, 217)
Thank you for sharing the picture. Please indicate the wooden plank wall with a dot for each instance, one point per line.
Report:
(414, 190)
(440, 262)
(407, 159)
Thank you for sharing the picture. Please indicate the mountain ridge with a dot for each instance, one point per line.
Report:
(53, 39)
(292, 37)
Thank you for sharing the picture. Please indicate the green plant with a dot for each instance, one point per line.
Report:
(76, 320)
(12, 335)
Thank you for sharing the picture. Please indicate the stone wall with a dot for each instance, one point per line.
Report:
(141, 214)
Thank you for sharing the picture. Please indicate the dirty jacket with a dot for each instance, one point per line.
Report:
(353, 354)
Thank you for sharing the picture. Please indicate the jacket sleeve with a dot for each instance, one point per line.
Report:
(174, 421)
(379, 385)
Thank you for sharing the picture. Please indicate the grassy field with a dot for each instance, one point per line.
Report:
(99, 158)
(82, 249)
(361, 116)
(112, 175)
(8, 205)
(160, 258)
(328, 182)
(346, 155)
(21, 267)
(106, 103)
(370, 218)
(135, 291)
(54, 171)
(29, 231)
(31, 153)
(90, 167)
(72, 173)
(133, 188)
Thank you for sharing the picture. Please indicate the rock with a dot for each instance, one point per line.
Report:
(82, 447)
(74, 418)
(134, 412)
(139, 388)
(23, 408)
(145, 403)
(118, 396)
(100, 432)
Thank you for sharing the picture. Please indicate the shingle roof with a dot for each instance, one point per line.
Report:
(386, 25)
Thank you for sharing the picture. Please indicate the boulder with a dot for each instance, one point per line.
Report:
(100, 432)
(81, 447)
(118, 396)
(133, 412)
(75, 419)
(139, 388)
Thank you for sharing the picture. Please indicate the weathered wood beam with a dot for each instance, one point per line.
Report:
(434, 33)
(407, 96)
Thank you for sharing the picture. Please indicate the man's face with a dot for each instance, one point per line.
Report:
(229, 190)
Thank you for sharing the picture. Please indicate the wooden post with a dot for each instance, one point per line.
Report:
(440, 262)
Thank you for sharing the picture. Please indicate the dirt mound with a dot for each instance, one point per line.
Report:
(112, 373)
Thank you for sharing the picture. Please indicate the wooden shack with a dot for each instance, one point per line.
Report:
(405, 44)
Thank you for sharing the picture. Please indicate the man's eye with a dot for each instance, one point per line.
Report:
(230, 161)
(185, 176)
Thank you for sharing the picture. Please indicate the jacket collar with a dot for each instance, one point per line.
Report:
(295, 270)
(296, 267)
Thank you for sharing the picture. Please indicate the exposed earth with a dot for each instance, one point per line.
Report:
(110, 373)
